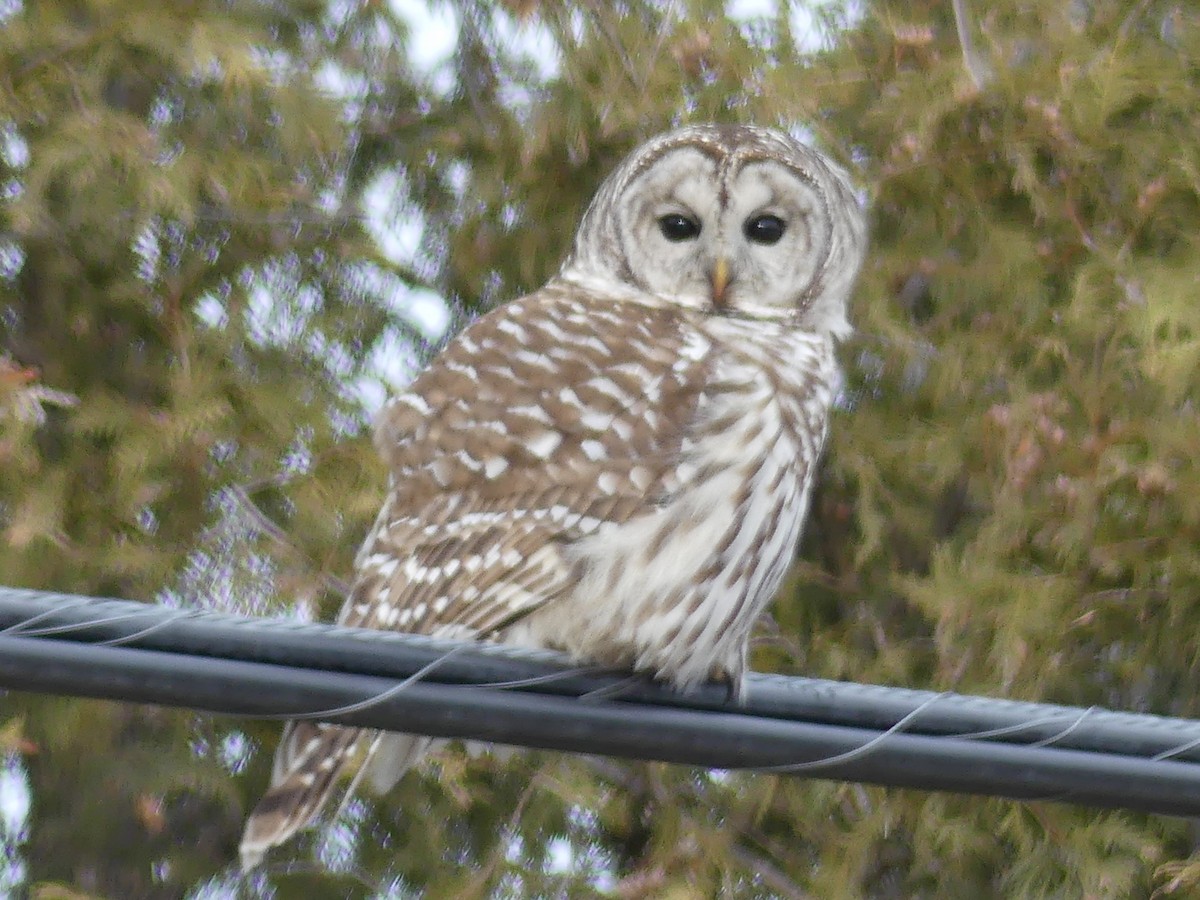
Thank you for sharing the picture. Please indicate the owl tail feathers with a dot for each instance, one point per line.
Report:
(308, 761)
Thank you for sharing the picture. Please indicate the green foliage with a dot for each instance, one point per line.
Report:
(191, 301)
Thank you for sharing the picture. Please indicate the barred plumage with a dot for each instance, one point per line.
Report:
(619, 464)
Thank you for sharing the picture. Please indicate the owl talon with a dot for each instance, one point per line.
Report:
(733, 691)
(734, 685)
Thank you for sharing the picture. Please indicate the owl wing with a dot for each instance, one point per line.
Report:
(540, 424)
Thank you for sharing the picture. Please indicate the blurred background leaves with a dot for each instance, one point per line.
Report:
(227, 227)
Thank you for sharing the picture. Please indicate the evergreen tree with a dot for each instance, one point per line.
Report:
(192, 305)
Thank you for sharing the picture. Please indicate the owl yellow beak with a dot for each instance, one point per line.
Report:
(720, 281)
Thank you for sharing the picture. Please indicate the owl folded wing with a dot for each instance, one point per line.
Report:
(530, 433)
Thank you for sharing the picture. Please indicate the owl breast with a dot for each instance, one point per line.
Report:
(676, 590)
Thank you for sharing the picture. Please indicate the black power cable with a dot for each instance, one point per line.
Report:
(66, 644)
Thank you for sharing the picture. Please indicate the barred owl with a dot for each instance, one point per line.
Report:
(617, 465)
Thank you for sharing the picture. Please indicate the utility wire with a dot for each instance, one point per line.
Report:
(83, 646)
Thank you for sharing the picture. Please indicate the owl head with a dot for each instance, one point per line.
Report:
(732, 220)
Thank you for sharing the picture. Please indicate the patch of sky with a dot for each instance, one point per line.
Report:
(146, 249)
(12, 258)
(809, 20)
(15, 801)
(432, 40)
(14, 149)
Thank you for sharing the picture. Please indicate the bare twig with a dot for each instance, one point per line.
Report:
(771, 875)
(266, 526)
(510, 830)
(979, 70)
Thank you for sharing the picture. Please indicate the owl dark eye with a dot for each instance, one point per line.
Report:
(765, 229)
(678, 228)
